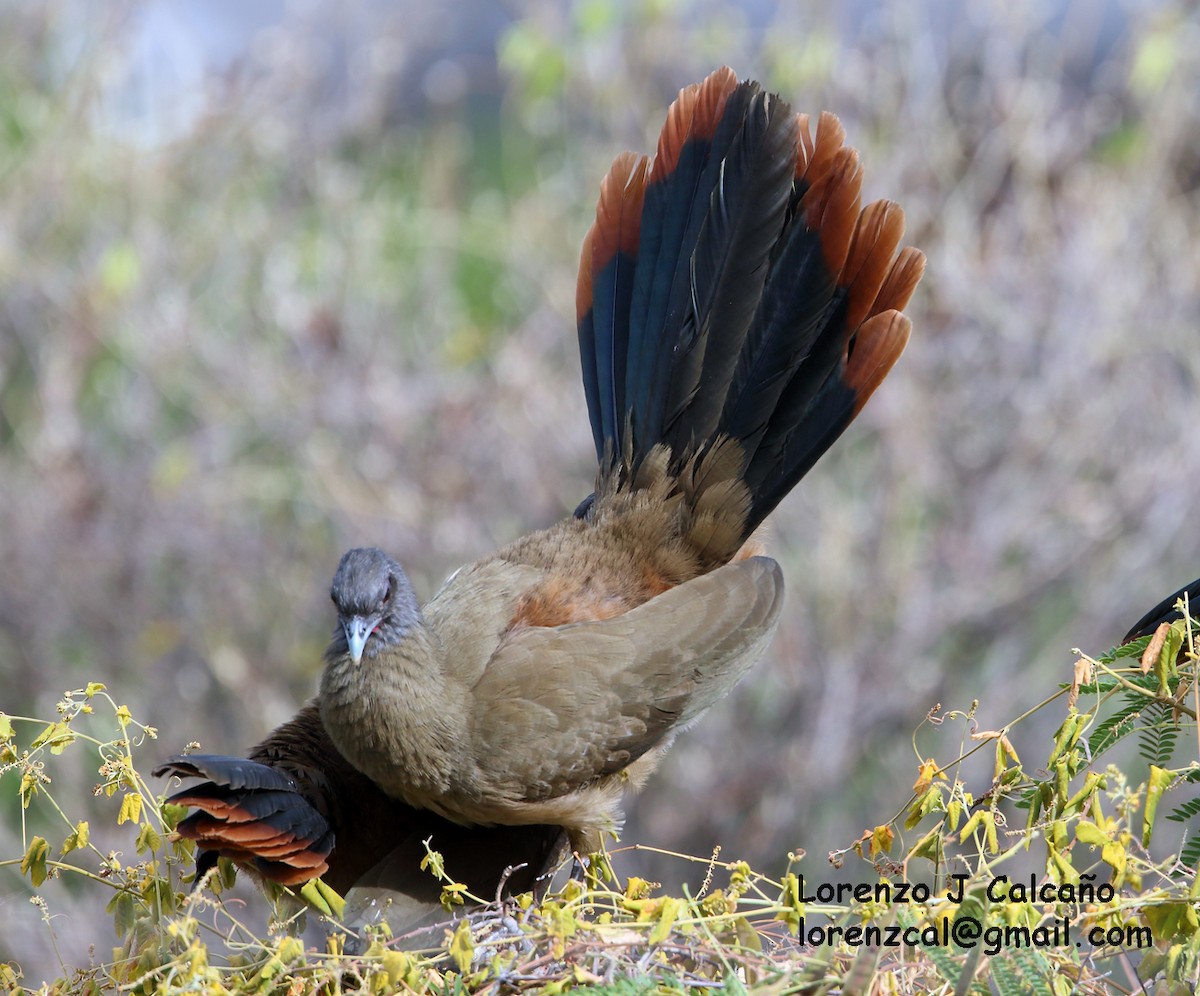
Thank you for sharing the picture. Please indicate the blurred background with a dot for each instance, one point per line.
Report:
(278, 279)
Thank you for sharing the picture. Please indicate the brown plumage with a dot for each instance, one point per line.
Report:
(736, 309)
(295, 809)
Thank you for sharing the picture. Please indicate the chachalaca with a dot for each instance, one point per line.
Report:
(735, 309)
(1165, 611)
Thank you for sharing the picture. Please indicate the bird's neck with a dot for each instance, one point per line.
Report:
(397, 716)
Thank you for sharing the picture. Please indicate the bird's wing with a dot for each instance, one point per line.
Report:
(559, 707)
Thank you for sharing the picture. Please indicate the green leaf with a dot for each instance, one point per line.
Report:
(123, 912)
(462, 947)
(434, 863)
(1160, 778)
(29, 787)
(322, 898)
(1064, 736)
(1164, 667)
(793, 910)
(78, 838)
(148, 839)
(33, 863)
(57, 735)
(1115, 856)
(453, 894)
(131, 808)
(1169, 920)
(666, 920)
(929, 846)
(1087, 832)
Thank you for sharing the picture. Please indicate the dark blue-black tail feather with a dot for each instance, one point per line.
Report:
(736, 304)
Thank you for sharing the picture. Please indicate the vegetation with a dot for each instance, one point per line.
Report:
(909, 907)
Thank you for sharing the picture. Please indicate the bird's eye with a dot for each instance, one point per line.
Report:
(387, 595)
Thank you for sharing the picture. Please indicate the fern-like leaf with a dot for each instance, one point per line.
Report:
(1190, 855)
(1118, 726)
(1156, 742)
(1188, 811)
(1022, 971)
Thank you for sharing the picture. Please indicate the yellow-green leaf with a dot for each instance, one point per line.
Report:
(1168, 920)
(1087, 832)
(462, 947)
(599, 870)
(148, 839)
(954, 810)
(747, 936)
(94, 687)
(929, 846)
(124, 913)
(57, 735)
(131, 808)
(1062, 867)
(1062, 738)
(666, 920)
(881, 840)
(1091, 785)
(793, 910)
(398, 966)
(323, 898)
(1164, 667)
(1160, 778)
(434, 863)
(1115, 856)
(33, 863)
(332, 897)
(452, 895)
(1062, 780)
(930, 802)
(560, 924)
(6, 727)
(636, 888)
(29, 787)
(77, 838)
(975, 820)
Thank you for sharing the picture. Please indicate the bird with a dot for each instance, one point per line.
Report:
(736, 307)
(1164, 611)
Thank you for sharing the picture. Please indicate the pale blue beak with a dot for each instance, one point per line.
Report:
(358, 631)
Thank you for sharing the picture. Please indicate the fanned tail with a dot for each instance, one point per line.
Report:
(252, 814)
(734, 289)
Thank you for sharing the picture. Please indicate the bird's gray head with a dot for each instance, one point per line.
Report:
(375, 604)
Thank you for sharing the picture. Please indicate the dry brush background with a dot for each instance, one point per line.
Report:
(325, 297)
